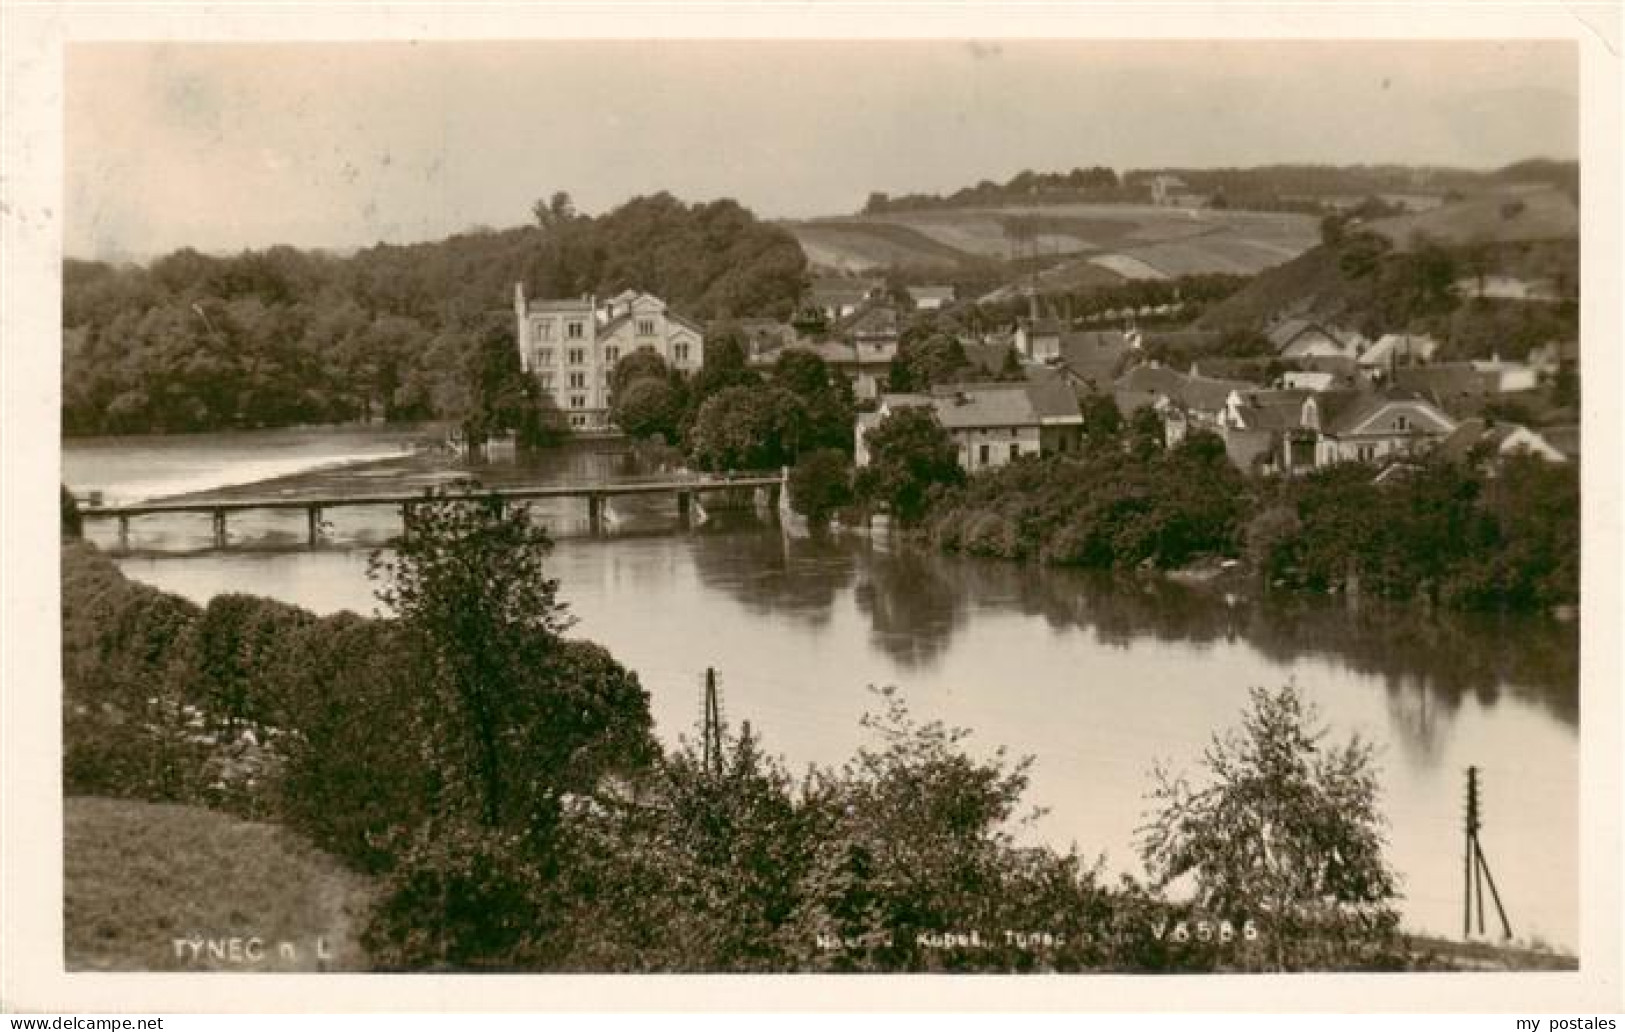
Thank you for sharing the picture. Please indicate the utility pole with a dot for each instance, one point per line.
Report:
(712, 734)
(1476, 869)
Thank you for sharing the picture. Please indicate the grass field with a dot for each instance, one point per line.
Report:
(1152, 241)
(139, 876)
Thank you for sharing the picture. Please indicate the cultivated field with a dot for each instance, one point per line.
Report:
(1121, 241)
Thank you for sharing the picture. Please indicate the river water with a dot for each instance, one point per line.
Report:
(1097, 679)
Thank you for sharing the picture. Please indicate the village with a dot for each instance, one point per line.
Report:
(1324, 393)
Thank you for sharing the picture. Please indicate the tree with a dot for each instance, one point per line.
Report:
(72, 523)
(648, 407)
(1285, 832)
(748, 428)
(820, 483)
(640, 364)
(515, 719)
(909, 454)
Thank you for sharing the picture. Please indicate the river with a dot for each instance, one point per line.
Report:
(1097, 679)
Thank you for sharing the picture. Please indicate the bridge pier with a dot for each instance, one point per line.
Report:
(219, 528)
(313, 523)
(124, 533)
(685, 509)
(406, 521)
(595, 513)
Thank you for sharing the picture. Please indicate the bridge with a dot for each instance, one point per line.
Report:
(768, 487)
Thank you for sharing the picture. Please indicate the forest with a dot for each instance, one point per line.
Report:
(285, 337)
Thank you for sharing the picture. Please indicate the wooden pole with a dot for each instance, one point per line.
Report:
(1484, 865)
(1468, 854)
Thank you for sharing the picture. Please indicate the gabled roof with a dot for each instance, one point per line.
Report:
(1094, 357)
(827, 291)
(1143, 383)
(1359, 415)
(1283, 333)
(1399, 345)
(1444, 383)
(994, 405)
(872, 317)
(1273, 410)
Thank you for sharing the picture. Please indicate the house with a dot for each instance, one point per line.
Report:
(1505, 377)
(839, 297)
(1093, 359)
(1039, 339)
(1394, 349)
(1555, 356)
(991, 424)
(1480, 437)
(931, 298)
(1184, 401)
(762, 336)
(1307, 338)
(1362, 426)
(1453, 386)
(866, 367)
(571, 345)
(874, 327)
(1254, 425)
(1296, 380)
(1506, 288)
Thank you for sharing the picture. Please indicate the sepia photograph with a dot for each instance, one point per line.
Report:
(769, 506)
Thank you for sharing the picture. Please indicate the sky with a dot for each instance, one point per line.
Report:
(225, 146)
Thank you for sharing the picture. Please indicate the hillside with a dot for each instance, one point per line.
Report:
(1405, 273)
(139, 876)
(1510, 215)
(1117, 242)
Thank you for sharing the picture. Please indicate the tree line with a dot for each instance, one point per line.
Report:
(283, 336)
(1482, 533)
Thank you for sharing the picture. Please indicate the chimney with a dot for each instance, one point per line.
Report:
(1032, 306)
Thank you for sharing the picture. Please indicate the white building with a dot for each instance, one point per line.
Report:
(572, 345)
(991, 424)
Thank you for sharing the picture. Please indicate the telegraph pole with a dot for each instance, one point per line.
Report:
(1476, 869)
(712, 735)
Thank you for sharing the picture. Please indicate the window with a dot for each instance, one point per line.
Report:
(612, 354)
(646, 327)
(681, 351)
(1402, 423)
(1015, 450)
(577, 401)
(1366, 452)
(578, 421)
(984, 455)
(578, 380)
(544, 356)
(544, 329)
(575, 330)
(577, 356)
(547, 381)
